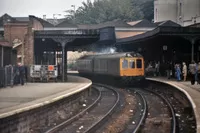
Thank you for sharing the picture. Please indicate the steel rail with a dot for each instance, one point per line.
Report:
(173, 128)
(93, 127)
(56, 128)
(142, 120)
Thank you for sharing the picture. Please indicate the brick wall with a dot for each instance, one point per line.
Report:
(29, 49)
(36, 24)
(14, 31)
(24, 32)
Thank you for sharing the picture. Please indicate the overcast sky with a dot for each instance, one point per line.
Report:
(23, 8)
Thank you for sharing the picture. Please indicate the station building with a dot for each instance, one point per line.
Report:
(183, 12)
(39, 41)
(34, 38)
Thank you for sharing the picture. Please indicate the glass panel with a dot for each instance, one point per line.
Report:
(132, 64)
(139, 63)
(124, 64)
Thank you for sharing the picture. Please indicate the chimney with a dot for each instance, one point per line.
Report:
(45, 17)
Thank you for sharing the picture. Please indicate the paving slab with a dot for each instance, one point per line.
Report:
(32, 95)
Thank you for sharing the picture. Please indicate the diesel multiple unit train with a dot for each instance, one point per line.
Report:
(126, 67)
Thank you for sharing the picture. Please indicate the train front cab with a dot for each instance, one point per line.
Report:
(132, 69)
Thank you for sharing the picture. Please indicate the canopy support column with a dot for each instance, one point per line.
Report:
(63, 42)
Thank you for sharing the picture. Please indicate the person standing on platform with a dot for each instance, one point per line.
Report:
(184, 71)
(169, 70)
(16, 74)
(157, 67)
(198, 73)
(192, 69)
(178, 72)
(21, 73)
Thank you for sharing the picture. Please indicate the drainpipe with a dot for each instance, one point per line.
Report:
(2, 54)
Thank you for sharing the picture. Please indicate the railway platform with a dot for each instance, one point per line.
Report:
(33, 95)
(191, 91)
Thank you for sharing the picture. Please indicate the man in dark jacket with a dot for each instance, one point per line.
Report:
(169, 70)
(16, 74)
(21, 73)
(192, 70)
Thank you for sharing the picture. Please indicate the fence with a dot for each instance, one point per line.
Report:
(6, 76)
(2, 77)
(9, 77)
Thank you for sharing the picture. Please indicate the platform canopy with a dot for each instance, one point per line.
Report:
(169, 41)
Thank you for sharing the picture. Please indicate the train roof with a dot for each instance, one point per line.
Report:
(113, 55)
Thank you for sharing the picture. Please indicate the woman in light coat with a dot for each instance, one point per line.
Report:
(184, 71)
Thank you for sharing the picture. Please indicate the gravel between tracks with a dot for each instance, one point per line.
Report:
(159, 115)
(84, 123)
(120, 121)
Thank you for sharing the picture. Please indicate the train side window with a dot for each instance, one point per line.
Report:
(139, 63)
(124, 64)
(132, 64)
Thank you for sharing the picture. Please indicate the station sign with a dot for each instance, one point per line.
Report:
(73, 32)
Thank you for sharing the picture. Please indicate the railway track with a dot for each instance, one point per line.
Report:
(156, 110)
(140, 114)
(154, 114)
(93, 116)
(184, 114)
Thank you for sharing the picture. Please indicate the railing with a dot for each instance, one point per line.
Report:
(9, 76)
(2, 76)
(6, 76)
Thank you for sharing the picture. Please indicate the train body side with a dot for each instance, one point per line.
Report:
(107, 66)
(85, 65)
(115, 65)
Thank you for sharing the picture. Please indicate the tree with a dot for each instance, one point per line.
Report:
(146, 7)
(107, 10)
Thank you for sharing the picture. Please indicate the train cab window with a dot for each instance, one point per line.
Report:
(124, 64)
(139, 63)
(131, 64)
